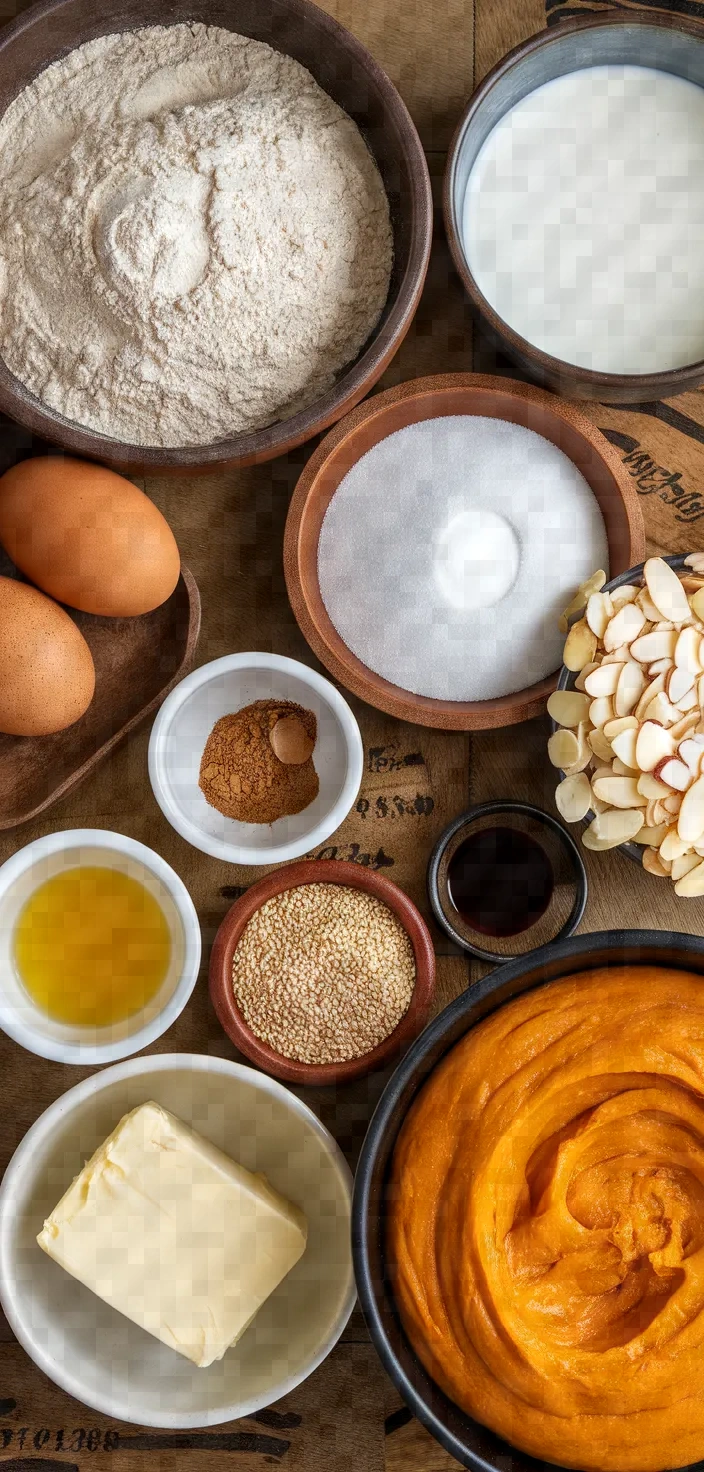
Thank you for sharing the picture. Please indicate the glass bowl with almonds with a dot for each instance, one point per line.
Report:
(628, 717)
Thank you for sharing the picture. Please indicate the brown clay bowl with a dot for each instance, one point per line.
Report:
(664, 42)
(348, 73)
(454, 393)
(320, 871)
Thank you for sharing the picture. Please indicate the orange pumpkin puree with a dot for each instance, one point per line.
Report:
(546, 1232)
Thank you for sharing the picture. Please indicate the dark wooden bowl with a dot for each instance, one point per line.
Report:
(425, 398)
(320, 871)
(667, 43)
(348, 73)
(137, 662)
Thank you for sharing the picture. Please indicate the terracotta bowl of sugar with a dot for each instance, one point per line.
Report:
(437, 534)
(410, 946)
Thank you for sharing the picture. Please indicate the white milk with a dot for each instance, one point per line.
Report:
(584, 219)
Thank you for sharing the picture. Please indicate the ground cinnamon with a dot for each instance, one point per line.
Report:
(240, 773)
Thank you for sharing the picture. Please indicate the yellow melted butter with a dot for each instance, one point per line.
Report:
(92, 946)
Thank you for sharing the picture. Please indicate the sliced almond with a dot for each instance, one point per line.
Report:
(685, 726)
(618, 792)
(691, 885)
(687, 650)
(666, 590)
(691, 584)
(624, 627)
(661, 710)
(691, 752)
(671, 804)
(617, 656)
(683, 865)
(649, 694)
(649, 786)
(581, 677)
(563, 748)
(628, 593)
(619, 724)
(690, 823)
(600, 746)
(688, 702)
(653, 743)
(695, 560)
(603, 681)
(653, 837)
(582, 596)
(574, 798)
(658, 644)
(612, 828)
(645, 602)
(601, 711)
(580, 646)
(672, 846)
(655, 813)
(700, 691)
(597, 614)
(605, 769)
(661, 666)
(568, 707)
(629, 688)
(674, 773)
(651, 862)
(696, 603)
(623, 746)
(679, 682)
(584, 751)
(620, 769)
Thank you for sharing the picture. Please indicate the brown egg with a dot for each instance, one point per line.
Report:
(87, 536)
(47, 676)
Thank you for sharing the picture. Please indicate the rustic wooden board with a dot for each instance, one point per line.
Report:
(347, 1418)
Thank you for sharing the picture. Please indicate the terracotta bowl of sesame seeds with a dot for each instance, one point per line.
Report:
(401, 981)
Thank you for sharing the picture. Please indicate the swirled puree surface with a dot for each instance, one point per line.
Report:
(546, 1234)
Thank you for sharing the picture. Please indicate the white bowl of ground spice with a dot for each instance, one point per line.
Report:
(322, 972)
(255, 759)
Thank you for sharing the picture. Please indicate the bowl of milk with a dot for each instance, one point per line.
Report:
(574, 206)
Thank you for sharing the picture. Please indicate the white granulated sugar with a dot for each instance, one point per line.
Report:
(449, 551)
(194, 238)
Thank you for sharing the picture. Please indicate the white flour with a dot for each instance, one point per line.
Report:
(194, 238)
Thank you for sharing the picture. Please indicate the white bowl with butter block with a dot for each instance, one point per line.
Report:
(293, 1230)
(20, 877)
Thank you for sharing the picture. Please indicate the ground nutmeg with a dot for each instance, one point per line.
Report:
(240, 773)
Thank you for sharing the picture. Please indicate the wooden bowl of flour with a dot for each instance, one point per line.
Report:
(555, 420)
(346, 71)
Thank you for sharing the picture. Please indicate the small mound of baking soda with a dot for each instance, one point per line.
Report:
(449, 551)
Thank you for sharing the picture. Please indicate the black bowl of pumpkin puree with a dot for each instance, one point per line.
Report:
(528, 1218)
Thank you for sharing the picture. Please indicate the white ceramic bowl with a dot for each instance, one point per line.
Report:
(181, 730)
(99, 1356)
(21, 1019)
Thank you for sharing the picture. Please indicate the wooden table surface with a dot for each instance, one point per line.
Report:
(230, 528)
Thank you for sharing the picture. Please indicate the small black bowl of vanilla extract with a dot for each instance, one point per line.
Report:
(505, 878)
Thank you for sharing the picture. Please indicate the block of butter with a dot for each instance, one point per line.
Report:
(167, 1229)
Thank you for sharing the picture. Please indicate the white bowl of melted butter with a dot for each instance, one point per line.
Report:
(100, 946)
(100, 1356)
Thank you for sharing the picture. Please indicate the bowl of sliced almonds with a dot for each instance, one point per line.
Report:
(628, 717)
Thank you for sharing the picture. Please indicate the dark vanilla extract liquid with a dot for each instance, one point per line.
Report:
(500, 880)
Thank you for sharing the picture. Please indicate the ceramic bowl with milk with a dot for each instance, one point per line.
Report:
(574, 206)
